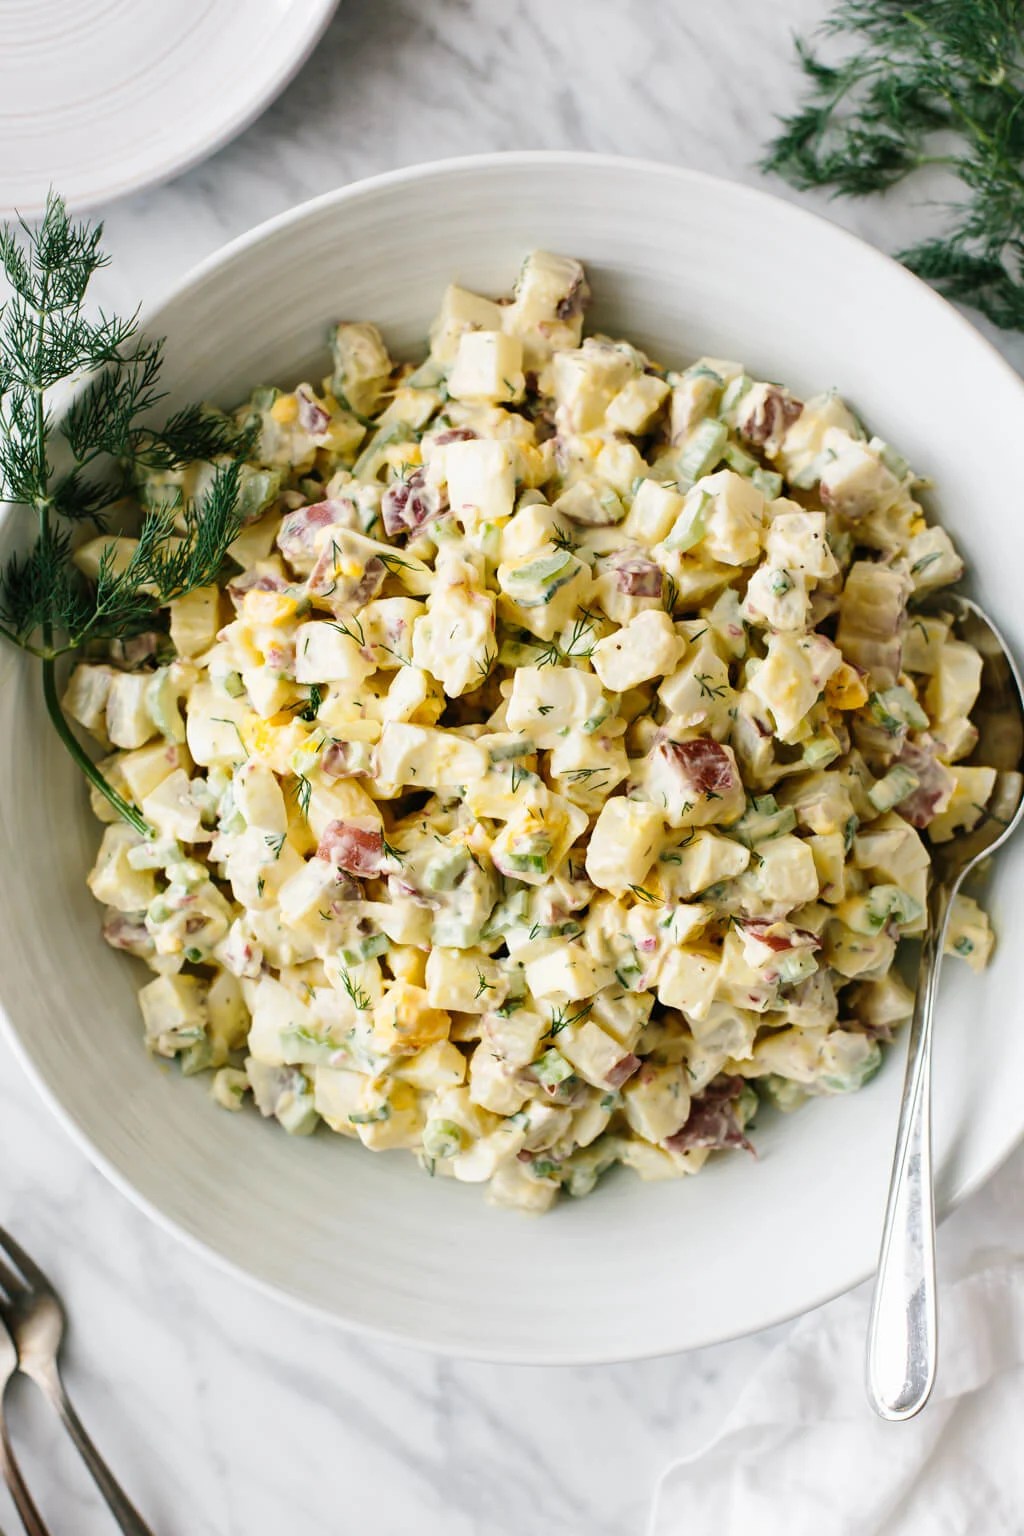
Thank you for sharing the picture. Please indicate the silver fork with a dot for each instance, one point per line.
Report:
(34, 1314)
(31, 1519)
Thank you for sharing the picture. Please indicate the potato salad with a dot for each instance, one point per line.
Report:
(548, 783)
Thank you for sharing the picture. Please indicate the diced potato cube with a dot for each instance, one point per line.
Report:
(792, 676)
(481, 481)
(112, 879)
(129, 722)
(423, 758)
(627, 838)
(551, 294)
(171, 809)
(596, 1055)
(143, 770)
(461, 311)
(796, 541)
(828, 851)
(195, 620)
(439, 1066)
(703, 859)
(464, 982)
(971, 794)
(653, 513)
(657, 1101)
(492, 1085)
(687, 981)
(559, 969)
(85, 698)
(213, 726)
(954, 685)
(934, 561)
(340, 800)
(488, 368)
(174, 1013)
(646, 647)
(637, 404)
(969, 934)
(361, 365)
(547, 701)
(405, 1021)
(323, 654)
(730, 509)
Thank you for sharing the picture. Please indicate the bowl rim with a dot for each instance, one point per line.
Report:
(681, 177)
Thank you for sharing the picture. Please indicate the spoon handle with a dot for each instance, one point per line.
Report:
(903, 1331)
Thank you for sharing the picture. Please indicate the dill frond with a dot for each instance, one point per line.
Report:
(941, 83)
(63, 471)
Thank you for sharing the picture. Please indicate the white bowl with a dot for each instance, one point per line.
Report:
(683, 264)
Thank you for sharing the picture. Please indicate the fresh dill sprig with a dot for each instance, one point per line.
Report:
(358, 995)
(485, 662)
(72, 469)
(310, 709)
(393, 562)
(302, 789)
(936, 84)
(708, 687)
(579, 646)
(355, 632)
(484, 985)
(562, 1018)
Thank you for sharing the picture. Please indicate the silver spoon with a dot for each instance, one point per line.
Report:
(903, 1331)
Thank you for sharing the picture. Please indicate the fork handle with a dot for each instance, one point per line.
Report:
(118, 1502)
(31, 1519)
(902, 1350)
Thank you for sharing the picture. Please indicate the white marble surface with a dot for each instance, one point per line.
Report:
(223, 1412)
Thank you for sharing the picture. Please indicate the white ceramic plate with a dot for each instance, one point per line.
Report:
(683, 264)
(101, 97)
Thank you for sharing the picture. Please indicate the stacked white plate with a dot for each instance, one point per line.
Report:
(101, 97)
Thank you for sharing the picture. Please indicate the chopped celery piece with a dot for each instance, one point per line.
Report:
(257, 490)
(365, 949)
(807, 478)
(734, 392)
(691, 524)
(739, 459)
(551, 1069)
(768, 483)
(508, 751)
(898, 783)
(821, 750)
(369, 463)
(763, 818)
(796, 966)
(443, 871)
(781, 1092)
(702, 451)
(881, 905)
(442, 1138)
(895, 709)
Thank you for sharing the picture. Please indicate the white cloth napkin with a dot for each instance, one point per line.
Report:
(802, 1454)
